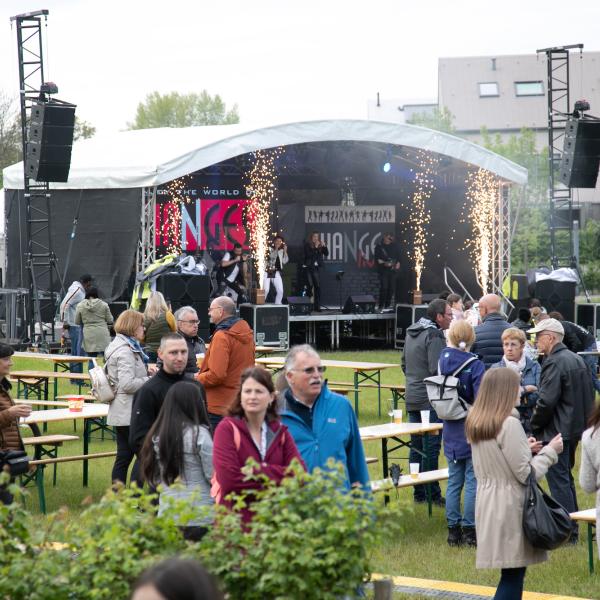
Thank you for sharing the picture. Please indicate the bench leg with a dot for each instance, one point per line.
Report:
(39, 481)
(384, 463)
(591, 548)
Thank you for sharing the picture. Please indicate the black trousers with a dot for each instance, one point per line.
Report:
(314, 283)
(386, 287)
(125, 455)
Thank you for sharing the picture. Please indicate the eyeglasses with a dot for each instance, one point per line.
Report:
(310, 370)
(191, 322)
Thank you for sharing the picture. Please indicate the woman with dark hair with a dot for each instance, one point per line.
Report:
(95, 319)
(315, 251)
(589, 475)
(178, 448)
(176, 579)
(503, 461)
(253, 430)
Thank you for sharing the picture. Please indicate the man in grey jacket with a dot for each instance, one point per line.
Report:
(424, 343)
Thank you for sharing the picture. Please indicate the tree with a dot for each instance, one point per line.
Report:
(183, 110)
(439, 119)
(83, 130)
(10, 133)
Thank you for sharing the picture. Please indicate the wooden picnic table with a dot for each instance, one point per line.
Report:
(92, 414)
(395, 432)
(589, 517)
(39, 385)
(363, 371)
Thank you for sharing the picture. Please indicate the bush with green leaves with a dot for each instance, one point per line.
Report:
(309, 538)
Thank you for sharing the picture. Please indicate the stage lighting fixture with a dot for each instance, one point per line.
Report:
(387, 167)
(48, 87)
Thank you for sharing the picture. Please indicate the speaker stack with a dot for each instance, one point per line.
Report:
(270, 323)
(588, 316)
(188, 290)
(50, 141)
(557, 295)
(581, 153)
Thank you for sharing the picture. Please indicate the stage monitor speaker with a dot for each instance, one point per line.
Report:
(270, 323)
(581, 153)
(299, 305)
(187, 290)
(588, 316)
(406, 315)
(359, 305)
(50, 140)
(557, 295)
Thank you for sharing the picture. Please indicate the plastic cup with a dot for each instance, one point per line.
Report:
(425, 417)
(199, 359)
(414, 470)
(75, 403)
(397, 416)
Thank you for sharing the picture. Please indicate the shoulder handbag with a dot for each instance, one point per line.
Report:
(102, 390)
(17, 461)
(546, 523)
(442, 392)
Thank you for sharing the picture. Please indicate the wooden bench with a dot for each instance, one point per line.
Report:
(41, 464)
(345, 387)
(371, 460)
(589, 518)
(46, 446)
(405, 481)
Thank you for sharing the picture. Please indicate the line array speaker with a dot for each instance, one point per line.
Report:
(50, 141)
(581, 153)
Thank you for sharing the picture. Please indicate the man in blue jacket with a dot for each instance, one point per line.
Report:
(322, 423)
(488, 335)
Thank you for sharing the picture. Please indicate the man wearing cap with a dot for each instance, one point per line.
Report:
(565, 401)
(10, 436)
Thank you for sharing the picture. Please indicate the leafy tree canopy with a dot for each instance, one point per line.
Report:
(183, 110)
(439, 119)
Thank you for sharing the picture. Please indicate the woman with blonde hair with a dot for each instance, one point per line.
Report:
(461, 525)
(514, 344)
(503, 461)
(158, 321)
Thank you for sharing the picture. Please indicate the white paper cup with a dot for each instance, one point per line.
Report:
(397, 416)
(414, 470)
(425, 416)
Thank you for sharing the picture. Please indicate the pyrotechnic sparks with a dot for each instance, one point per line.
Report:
(482, 198)
(420, 215)
(262, 181)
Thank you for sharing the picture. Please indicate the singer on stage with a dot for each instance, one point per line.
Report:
(278, 257)
(315, 251)
(236, 272)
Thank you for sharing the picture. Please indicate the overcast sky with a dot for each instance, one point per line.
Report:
(277, 59)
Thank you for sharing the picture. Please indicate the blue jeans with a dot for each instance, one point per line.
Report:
(511, 584)
(433, 453)
(561, 483)
(75, 334)
(461, 475)
(592, 363)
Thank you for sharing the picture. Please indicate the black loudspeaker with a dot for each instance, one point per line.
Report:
(270, 323)
(116, 308)
(187, 290)
(557, 295)
(359, 305)
(588, 316)
(406, 315)
(299, 305)
(50, 141)
(519, 287)
(581, 153)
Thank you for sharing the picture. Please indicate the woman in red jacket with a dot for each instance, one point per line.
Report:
(253, 430)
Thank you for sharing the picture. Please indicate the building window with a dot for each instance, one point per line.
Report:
(529, 88)
(487, 90)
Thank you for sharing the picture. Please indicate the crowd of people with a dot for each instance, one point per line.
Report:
(192, 414)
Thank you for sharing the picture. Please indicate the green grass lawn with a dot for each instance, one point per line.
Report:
(420, 551)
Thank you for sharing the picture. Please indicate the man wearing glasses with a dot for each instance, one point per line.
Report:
(565, 401)
(231, 351)
(322, 423)
(187, 325)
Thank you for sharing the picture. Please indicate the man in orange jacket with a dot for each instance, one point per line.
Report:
(231, 350)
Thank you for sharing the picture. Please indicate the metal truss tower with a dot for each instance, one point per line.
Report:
(561, 202)
(40, 258)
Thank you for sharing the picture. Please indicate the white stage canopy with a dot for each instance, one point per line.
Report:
(150, 157)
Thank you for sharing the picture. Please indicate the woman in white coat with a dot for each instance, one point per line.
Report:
(127, 372)
(589, 475)
(503, 460)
